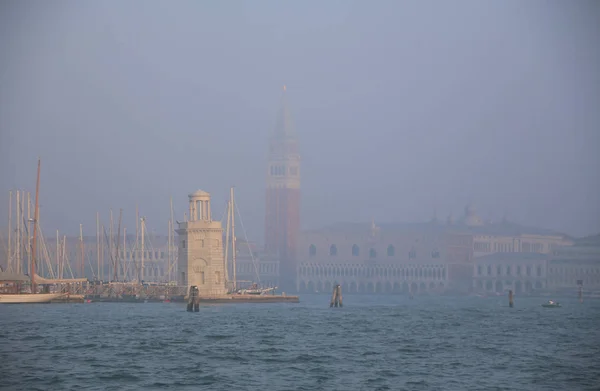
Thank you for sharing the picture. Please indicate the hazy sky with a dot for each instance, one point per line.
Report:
(400, 107)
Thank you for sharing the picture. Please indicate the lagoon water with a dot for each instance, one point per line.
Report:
(372, 343)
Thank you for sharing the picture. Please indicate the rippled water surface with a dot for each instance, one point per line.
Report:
(373, 343)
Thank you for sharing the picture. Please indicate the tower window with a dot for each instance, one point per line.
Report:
(372, 253)
(390, 251)
(355, 251)
(333, 250)
(312, 250)
(183, 244)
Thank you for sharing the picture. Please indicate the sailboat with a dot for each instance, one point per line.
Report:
(254, 288)
(33, 297)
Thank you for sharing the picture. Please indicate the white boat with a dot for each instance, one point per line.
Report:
(25, 298)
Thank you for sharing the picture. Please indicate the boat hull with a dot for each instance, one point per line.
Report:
(29, 298)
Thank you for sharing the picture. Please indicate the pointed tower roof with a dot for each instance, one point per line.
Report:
(284, 126)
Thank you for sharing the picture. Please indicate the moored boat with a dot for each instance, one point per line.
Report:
(551, 304)
(26, 298)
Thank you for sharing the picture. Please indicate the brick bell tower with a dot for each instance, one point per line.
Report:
(282, 212)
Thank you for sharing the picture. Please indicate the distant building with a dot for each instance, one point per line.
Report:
(578, 263)
(516, 271)
(282, 209)
(415, 257)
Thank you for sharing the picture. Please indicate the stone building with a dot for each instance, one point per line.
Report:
(282, 209)
(577, 263)
(201, 261)
(416, 257)
(516, 271)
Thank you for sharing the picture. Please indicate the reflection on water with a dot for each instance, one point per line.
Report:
(373, 342)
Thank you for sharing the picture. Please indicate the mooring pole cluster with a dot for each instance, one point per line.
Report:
(336, 296)
(193, 300)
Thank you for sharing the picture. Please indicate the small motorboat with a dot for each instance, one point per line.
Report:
(551, 304)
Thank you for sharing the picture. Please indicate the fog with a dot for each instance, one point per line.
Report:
(400, 108)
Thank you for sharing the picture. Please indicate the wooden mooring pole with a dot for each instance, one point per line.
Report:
(510, 299)
(193, 300)
(336, 296)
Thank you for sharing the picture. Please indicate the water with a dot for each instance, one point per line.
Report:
(373, 343)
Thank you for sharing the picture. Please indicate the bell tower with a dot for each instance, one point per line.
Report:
(282, 212)
(201, 261)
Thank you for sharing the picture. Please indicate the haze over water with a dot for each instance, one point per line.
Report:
(373, 343)
(400, 107)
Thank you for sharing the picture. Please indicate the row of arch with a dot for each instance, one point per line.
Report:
(499, 286)
(310, 286)
(391, 251)
(432, 272)
(507, 270)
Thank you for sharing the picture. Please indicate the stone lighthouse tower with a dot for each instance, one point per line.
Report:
(201, 262)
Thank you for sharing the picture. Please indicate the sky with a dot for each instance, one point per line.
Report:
(400, 107)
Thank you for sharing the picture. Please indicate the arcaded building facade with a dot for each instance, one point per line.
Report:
(429, 257)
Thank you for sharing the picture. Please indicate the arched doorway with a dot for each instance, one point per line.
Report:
(361, 288)
(499, 287)
(328, 287)
(414, 288)
(378, 287)
(538, 285)
(302, 287)
(518, 287)
(396, 288)
(422, 287)
(489, 286)
(320, 286)
(405, 287)
(528, 286)
(370, 287)
(310, 287)
(353, 287)
(388, 287)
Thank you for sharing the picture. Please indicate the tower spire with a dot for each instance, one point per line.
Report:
(284, 127)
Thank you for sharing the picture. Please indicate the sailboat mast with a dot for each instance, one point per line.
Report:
(171, 241)
(110, 243)
(124, 253)
(35, 222)
(98, 244)
(143, 223)
(233, 240)
(169, 253)
(8, 258)
(18, 239)
(102, 241)
(137, 242)
(82, 261)
(117, 259)
(57, 255)
(226, 257)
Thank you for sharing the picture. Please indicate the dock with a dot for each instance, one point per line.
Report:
(69, 299)
(249, 299)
